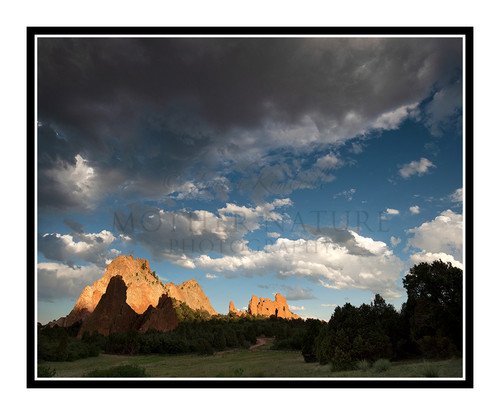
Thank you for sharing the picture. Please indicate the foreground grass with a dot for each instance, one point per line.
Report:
(261, 362)
(451, 368)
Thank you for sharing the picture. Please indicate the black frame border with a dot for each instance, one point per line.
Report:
(33, 32)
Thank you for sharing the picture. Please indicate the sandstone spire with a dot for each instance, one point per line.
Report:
(233, 310)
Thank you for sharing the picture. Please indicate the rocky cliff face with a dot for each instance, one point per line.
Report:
(144, 289)
(191, 293)
(266, 307)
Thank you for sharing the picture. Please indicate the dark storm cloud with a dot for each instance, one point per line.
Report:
(75, 226)
(341, 237)
(297, 293)
(236, 81)
(145, 109)
(56, 281)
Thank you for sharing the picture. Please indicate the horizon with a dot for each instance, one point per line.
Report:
(313, 167)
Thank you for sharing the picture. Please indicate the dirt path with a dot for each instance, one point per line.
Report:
(260, 342)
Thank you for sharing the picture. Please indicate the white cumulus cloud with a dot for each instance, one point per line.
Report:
(395, 241)
(89, 247)
(273, 234)
(415, 210)
(348, 194)
(77, 185)
(392, 119)
(416, 167)
(328, 162)
(200, 189)
(457, 196)
(211, 276)
(431, 257)
(444, 234)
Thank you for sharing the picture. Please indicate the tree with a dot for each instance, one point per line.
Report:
(313, 327)
(62, 351)
(355, 333)
(219, 342)
(434, 305)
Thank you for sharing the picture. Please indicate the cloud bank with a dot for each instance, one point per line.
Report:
(323, 261)
(214, 105)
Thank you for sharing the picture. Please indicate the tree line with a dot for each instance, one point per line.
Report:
(196, 334)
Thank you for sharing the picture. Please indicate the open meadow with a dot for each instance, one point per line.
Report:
(259, 362)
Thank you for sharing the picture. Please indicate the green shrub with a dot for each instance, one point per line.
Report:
(204, 348)
(381, 365)
(440, 347)
(363, 365)
(46, 372)
(239, 371)
(430, 371)
(341, 361)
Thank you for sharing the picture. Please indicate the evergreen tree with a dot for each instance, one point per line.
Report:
(434, 305)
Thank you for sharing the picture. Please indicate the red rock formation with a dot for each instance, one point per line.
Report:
(267, 307)
(162, 317)
(112, 313)
(144, 289)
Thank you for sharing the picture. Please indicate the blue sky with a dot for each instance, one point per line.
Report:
(322, 169)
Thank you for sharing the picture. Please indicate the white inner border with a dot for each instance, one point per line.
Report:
(463, 37)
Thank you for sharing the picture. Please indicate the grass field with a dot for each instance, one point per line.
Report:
(260, 362)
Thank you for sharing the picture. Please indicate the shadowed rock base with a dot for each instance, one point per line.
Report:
(113, 315)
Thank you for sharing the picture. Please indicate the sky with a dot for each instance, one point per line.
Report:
(320, 168)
